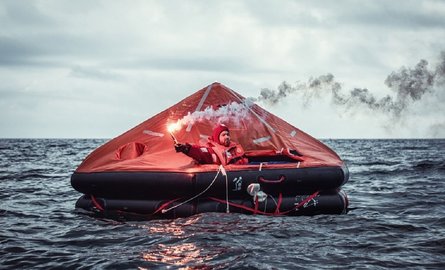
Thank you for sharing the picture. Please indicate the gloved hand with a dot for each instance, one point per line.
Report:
(184, 148)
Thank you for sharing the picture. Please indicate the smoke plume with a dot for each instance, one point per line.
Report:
(233, 112)
(409, 85)
(314, 88)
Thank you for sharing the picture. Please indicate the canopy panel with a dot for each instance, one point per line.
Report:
(149, 146)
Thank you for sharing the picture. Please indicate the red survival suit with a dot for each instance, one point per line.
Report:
(214, 153)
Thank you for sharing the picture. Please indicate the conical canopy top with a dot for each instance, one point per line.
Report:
(149, 146)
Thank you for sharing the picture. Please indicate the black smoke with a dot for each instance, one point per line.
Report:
(314, 88)
(408, 85)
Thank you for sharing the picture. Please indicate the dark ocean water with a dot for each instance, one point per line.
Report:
(397, 218)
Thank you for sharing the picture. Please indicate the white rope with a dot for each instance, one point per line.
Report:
(273, 199)
(265, 205)
(196, 196)
(227, 194)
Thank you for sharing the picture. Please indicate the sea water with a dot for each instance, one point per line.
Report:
(396, 218)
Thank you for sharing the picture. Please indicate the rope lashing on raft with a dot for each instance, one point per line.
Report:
(277, 210)
(253, 189)
(220, 170)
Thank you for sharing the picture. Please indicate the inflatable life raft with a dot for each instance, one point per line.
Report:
(139, 172)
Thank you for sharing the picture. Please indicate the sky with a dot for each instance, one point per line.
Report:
(95, 69)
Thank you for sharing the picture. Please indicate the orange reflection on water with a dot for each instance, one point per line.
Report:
(179, 255)
(175, 228)
(184, 255)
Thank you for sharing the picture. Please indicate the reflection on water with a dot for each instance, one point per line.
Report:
(175, 253)
(170, 228)
(179, 254)
(191, 243)
(198, 242)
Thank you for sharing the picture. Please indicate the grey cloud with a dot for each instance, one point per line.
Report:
(23, 14)
(393, 14)
(271, 13)
(54, 49)
(95, 73)
(64, 50)
(34, 34)
(15, 52)
(215, 63)
(331, 14)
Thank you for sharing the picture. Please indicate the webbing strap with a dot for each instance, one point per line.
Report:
(164, 205)
(256, 205)
(303, 202)
(256, 211)
(96, 203)
(241, 206)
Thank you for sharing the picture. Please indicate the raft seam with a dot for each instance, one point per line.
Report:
(254, 113)
(201, 102)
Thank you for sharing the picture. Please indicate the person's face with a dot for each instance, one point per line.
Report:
(224, 138)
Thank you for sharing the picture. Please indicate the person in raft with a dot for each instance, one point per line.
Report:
(219, 149)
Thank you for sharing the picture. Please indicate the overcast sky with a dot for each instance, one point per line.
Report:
(94, 69)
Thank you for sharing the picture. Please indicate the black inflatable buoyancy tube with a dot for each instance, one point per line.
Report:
(327, 202)
(134, 185)
(169, 185)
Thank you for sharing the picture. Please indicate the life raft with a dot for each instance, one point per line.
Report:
(289, 172)
(268, 188)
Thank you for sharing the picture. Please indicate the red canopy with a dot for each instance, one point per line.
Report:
(149, 146)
